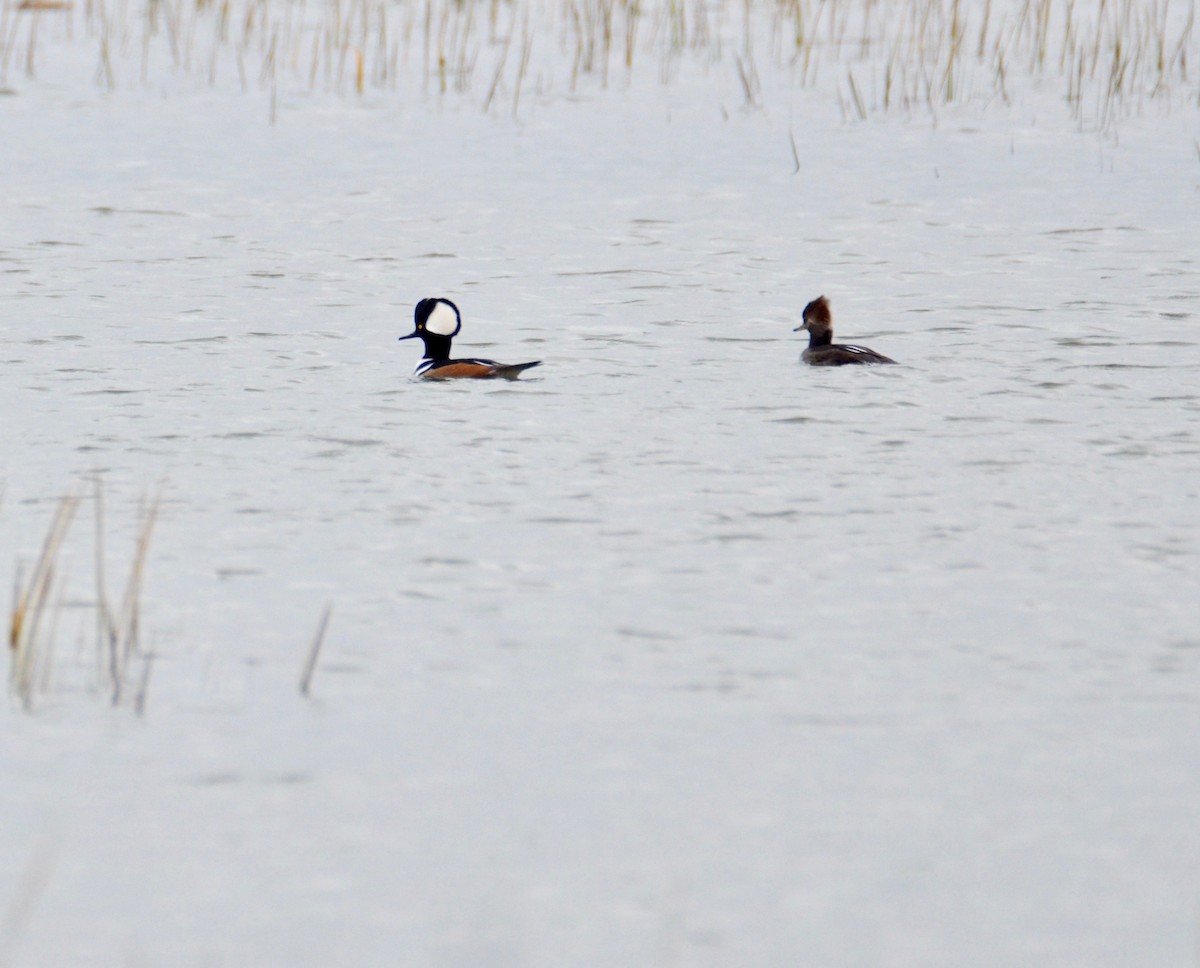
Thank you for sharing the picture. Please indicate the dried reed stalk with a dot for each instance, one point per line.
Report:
(30, 600)
(314, 650)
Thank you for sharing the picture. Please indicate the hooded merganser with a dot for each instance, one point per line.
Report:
(437, 323)
(822, 350)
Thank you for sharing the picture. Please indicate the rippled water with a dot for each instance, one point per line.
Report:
(675, 652)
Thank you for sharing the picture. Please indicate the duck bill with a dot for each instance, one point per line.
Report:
(414, 333)
(796, 330)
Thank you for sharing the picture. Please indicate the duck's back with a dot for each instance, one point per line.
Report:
(841, 354)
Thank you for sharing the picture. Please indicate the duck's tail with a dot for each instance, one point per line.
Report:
(513, 370)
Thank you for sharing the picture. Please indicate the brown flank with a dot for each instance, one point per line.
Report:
(478, 371)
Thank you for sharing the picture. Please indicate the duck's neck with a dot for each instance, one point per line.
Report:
(437, 347)
(819, 337)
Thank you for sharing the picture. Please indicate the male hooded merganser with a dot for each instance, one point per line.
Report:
(437, 323)
(822, 350)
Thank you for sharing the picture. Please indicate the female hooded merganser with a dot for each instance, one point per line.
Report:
(822, 350)
(437, 323)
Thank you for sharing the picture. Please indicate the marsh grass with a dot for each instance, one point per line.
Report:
(29, 649)
(124, 626)
(38, 605)
(1104, 60)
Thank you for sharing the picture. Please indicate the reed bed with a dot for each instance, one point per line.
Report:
(38, 604)
(1103, 58)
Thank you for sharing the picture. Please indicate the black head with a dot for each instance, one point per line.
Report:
(818, 320)
(437, 317)
(437, 322)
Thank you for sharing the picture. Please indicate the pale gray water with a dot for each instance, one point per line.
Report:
(675, 653)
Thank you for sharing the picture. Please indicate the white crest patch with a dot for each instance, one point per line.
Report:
(443, 320)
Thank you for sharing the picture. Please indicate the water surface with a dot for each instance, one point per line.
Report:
(676, 652)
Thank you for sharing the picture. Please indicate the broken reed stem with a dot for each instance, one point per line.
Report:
(125, 642)
(487, 103)
(30, 603)
(5, 39)
(526, 50)
(105, 631)
(139, 700)
(858, 101)
(104, 70)
(314, 650)
(747, 86)
(29, 60)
